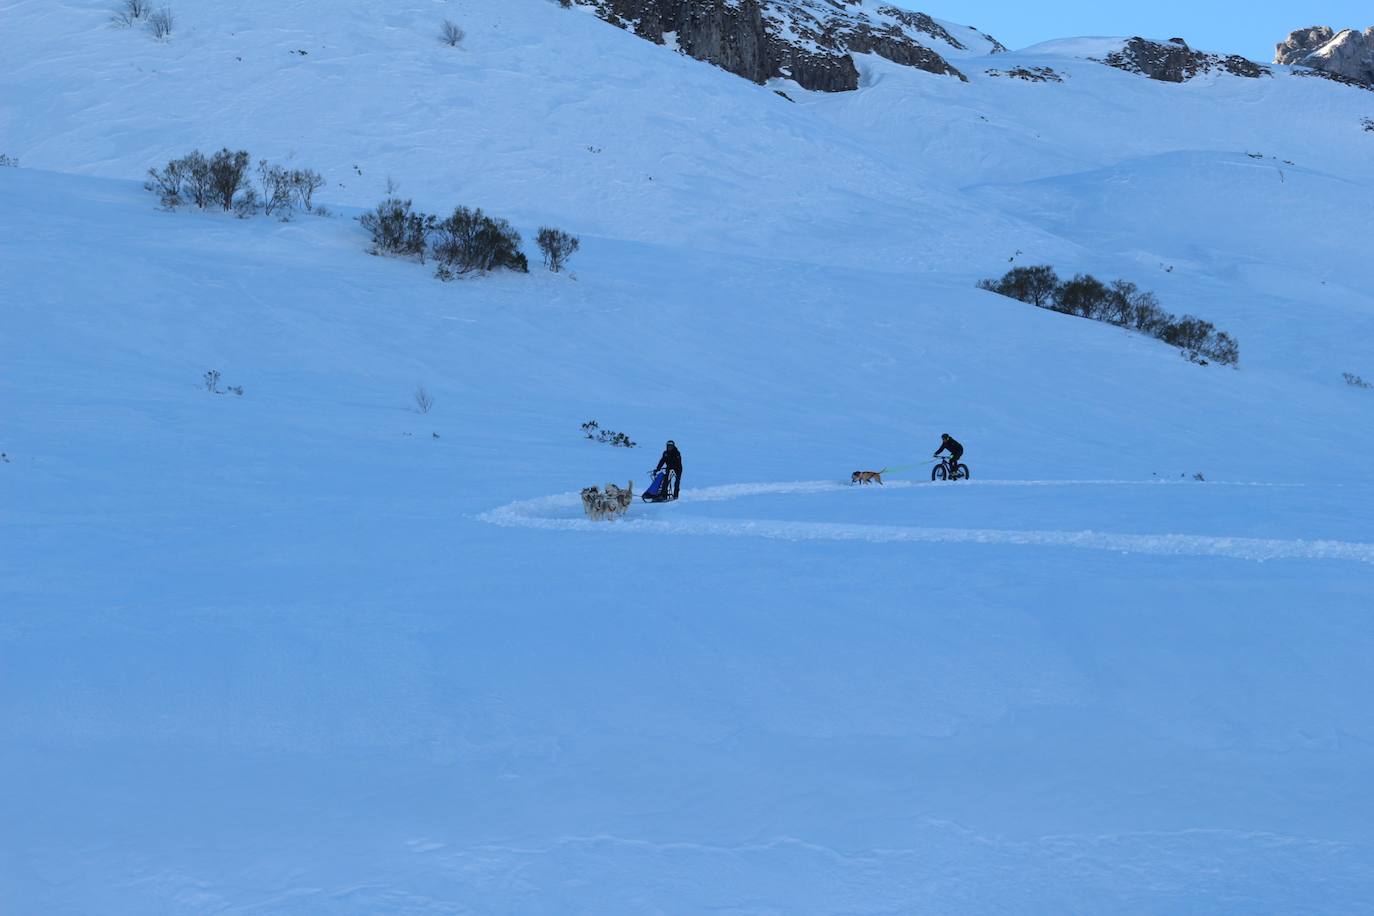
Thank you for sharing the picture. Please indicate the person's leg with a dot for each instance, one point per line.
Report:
(677, 483)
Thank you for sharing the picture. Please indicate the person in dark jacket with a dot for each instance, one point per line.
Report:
(956, 451)
(672, 461)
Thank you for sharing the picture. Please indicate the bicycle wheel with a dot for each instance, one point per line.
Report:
(939, 472)
(963, 472)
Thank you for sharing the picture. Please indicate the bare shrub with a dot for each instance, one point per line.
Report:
(211, 380)
(131, 11)
(8, 162)
(161, 22)
(199, 184)
(451, 34)
(276, 187)
(282, 188)
(1035, 285)
(226, 175)
(423, 401)
(469, 241)
(167, 182)
(1084, 296)
(188, 178)
(397, 229)
(305, 182)
(557, 246)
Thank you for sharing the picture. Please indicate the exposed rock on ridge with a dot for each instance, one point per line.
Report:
(1175, 62)
(808, 41)
(1347, 56)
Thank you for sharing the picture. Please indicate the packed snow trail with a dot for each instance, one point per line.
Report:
(551, 512)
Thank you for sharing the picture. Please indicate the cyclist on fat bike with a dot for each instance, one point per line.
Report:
(956, 451)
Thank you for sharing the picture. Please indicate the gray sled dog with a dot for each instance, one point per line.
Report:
(613, 502)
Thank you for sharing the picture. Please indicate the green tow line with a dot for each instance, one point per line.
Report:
(898, 469)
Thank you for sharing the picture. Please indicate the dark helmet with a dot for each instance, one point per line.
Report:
(944, 435)
(671, 444)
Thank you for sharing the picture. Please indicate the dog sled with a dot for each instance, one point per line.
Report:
(612, 503)
(661, 490)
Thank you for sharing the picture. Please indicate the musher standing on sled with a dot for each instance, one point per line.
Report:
(672, 461)
(956, 451)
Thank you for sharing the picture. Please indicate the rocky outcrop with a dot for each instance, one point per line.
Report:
(1347, 56)
(1029, 74)
(1175, 62)
(811, 42)
(1301, 43)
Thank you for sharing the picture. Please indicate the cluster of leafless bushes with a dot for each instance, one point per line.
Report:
(159, 22)
(8, 162)
(222, 180)
(1121, 303)
(464, 243)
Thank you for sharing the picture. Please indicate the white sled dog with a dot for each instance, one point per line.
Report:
(613, 502)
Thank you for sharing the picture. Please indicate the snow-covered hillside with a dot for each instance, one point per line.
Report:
(307, 650)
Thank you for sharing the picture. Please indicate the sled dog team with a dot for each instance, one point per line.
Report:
(616, 501)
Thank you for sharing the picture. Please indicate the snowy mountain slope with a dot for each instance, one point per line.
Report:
(246, 619)
(290, 653)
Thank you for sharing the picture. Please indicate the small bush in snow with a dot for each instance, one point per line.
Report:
(451, 34)
(397, 229)
(161, 22)
(557, 246)
(469, 241)
(423, 401)
(1353, 379)
(1121, 303)
(226, 175)
(186, 179)
(592, 430)
(284, 188)
(131, 11)
(277, 191)
(8, 162)
(305, 182)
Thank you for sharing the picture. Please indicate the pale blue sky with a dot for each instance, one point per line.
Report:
(1247, 27)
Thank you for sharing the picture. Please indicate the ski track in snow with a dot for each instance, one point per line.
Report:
(556, 512)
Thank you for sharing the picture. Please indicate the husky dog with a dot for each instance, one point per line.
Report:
(613, 502)
(866, 477)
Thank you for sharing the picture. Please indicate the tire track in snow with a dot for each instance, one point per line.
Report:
(562, 512)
